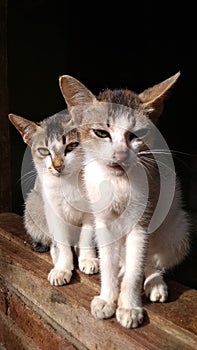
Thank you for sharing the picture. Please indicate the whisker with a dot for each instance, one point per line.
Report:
(164, 151)
(29, 175)
(27, 180)
(172, 153)
(157, 162)
(146, 166)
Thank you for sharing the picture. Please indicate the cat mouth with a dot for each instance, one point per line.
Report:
(116, 167)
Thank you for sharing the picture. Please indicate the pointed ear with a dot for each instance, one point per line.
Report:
(26, 127)
(76, 95)
(152, 99)
(74, 92)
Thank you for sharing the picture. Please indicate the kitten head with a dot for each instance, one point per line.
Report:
(118, 124)
(53, 142)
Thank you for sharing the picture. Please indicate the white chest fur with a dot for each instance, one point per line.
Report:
(63, 197)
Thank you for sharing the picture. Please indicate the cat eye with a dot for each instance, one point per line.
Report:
(101, 133)
(71, 147)
(43, 151)
(137, 135)
(130, 136)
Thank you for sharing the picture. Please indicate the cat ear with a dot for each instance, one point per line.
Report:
(74, 92)
(26, 127)
(76, 96)
(152, 99)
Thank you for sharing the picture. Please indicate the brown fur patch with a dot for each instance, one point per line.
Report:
(123, 97)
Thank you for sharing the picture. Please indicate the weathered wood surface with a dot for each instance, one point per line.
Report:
(168, 326)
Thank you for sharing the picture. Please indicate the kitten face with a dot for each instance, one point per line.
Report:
(117, 136)
(53, 143)
(55, 156)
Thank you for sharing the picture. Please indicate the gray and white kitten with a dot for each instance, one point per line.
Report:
(141, 227)
(52, 209)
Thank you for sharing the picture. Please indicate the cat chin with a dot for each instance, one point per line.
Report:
(57, 174)
(54, 174)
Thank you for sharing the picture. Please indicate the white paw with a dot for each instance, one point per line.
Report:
(102, 309)
(130, 318)
(59, 277)
(156, 291)
(89, 265)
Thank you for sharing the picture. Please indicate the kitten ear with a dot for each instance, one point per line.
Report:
(152, 99)
(76, 96)
(26, 127)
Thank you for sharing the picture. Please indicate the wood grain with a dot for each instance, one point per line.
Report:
(169, 326)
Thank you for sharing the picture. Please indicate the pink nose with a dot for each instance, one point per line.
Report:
(121, 155)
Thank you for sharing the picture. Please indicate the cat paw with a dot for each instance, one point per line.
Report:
(59, 277)
(101, 309)
(89, 266)
(130, 318)
(156, 292)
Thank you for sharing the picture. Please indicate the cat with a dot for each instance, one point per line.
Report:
(52, 214)
(142, 228)
(35, 221)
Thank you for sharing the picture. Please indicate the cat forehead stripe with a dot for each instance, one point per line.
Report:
(56, 125)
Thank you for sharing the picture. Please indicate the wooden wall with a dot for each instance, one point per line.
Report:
(5, 179)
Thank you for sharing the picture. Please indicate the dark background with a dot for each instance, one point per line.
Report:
(128, 45)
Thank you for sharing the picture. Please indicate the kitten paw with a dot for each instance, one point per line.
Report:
(101, 309)
(89, 266)
(130, 318)
(59, 277)
(157, 291)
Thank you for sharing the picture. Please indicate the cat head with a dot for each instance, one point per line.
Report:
(118, 124)
(53, 142)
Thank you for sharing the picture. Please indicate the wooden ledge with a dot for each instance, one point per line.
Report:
(60, 318)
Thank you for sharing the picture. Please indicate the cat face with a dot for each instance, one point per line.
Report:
(114, 135)
(118, 125)
(53, 143)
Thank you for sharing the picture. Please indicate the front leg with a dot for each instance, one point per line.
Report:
(104, 305)
(88, 261)
(60, 250)
(63, 264)
(130, 311)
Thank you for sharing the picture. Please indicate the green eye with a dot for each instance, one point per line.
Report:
(101, 133)
(70, 147)
(43, 151)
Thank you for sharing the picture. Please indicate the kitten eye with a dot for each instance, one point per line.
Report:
(70, 147)
(101, 133)
(43, 151)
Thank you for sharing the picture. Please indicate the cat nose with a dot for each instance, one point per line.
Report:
(59, 166)
(121, 156)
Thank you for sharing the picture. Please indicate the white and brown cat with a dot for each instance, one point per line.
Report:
(141, 227)
(52, 209)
